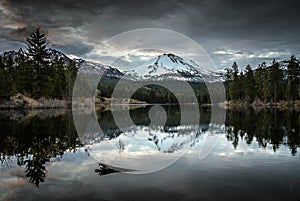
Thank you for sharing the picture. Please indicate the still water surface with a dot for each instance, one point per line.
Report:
(256, 157)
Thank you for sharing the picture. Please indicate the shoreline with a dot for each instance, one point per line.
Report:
(21, 102)
(136, 105)
(285, 105)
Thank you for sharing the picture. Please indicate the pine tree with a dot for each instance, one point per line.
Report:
(57, 79)
(11, 73)
(71, 72)
(259, 77)
(242, 86)
(293, 79)
(24, 74)
(267, 85)
(6, 81)
(249, 84)
(39, 59)
(276, 75)
(234, 82)
(228, 77)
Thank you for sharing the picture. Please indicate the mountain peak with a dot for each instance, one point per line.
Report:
(168, 66)
(174, 58)
(170, 60)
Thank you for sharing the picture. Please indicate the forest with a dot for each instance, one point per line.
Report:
(35, 72)
(268, 84)
(151, 93)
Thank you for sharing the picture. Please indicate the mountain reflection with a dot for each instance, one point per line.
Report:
(269, 126)
(32, 139)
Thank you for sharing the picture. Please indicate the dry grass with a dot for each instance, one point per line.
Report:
(21, 101)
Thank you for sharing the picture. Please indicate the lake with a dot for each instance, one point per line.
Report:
(252, 155)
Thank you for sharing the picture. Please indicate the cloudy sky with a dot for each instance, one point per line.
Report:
(228, 30)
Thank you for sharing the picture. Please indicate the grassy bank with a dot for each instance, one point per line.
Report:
(20, 101)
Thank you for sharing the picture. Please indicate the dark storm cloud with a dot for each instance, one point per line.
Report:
(75, 49)
(21, 33)
(229, 16)
(214, 24)
(78, 12)
(59, 18)
(248, 19)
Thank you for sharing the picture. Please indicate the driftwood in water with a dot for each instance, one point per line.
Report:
(105, 169)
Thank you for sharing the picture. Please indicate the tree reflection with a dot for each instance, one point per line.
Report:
(272, 127)
(35, 169)
(120, 145)
(34, 142)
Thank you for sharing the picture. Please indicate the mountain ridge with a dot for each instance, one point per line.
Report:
(166, 66)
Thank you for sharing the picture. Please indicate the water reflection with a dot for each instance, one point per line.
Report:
(140, 117)
(276, 127)
(33, 139)
(267, 126)
(149, 145)
(145, 140)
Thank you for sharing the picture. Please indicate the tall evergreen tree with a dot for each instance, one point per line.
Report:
(234, 82)
(276, 76)
(57, 79)
(293, 79)
(259, 77)
(228, 78)
(11, 73)
(241, 86)
(267, 85)
(6, 81)
(40, 61)
(71, 72)
(24, 74)
(249, 84)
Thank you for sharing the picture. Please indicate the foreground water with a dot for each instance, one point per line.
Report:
(255, 157)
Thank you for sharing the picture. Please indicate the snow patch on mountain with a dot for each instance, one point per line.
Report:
(98, 69)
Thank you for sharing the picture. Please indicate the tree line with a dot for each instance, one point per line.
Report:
(271, 83)
(36, 72)
(151, 93)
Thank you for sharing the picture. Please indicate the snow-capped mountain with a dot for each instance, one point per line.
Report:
(85, 66)
(12, 54)
(163, 67)
(98, 69)
(54, 54)
(172, 67)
